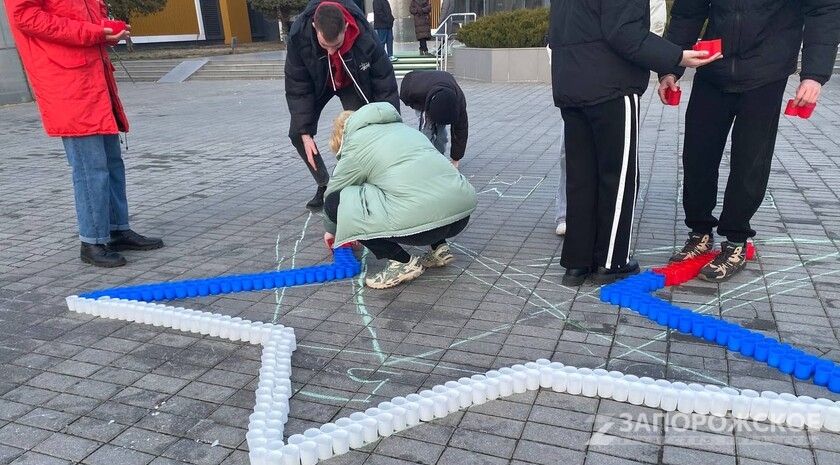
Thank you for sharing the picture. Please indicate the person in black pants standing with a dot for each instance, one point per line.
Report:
(742, 92)
(601, 54)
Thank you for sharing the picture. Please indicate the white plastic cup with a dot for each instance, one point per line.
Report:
(325, 445)
(385, 423)
(742, 404)
(479, 393)
(621, 389)
(533, 379)
(452, 400)
(399, 414)
(636, 393)
(492, 389)
(831, 418)
(427, 409)
(574, 384)
(412, 414)
(465, 396)
(370, 429)
(441, 405)
(505, 385)
(258, 456)
(590, 385)
(546, 376)
(340, 442)
(559, 381)
(520, 382)
(295, 439)
(669, 399)
(355, 435)
(308, 451)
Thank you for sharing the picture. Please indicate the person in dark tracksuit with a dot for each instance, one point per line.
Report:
(601, 54)
(332, 50)
(742, 92)
(439, 101)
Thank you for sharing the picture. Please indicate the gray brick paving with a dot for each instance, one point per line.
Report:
(211, 171)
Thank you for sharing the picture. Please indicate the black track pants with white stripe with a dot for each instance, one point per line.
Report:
(602, 182)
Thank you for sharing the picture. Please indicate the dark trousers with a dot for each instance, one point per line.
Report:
(350, 100)
(423, 46)
(709, 117)
(390, 247)
(602, 182)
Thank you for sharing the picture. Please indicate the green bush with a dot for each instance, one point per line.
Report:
(509, 29)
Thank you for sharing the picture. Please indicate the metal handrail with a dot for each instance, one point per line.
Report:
(442, 38)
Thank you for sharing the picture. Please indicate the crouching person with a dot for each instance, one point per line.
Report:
(392, 187)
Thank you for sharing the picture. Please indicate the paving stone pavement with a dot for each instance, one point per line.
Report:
(211, 170)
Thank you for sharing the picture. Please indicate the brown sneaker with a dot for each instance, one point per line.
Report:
(697, 244)
(731, 259)
(395, 273)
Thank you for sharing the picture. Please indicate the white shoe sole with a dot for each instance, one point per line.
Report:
(387, 285)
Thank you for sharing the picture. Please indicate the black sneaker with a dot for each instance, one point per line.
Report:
(99, 255)
(130, 240)
(731, 259)
(697, 244)
(318, 200)
(611, 275)
(576, 276)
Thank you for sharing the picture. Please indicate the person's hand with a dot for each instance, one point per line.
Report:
(311, 150)
(110, 37)
(455, 164)
(329, 239)
(697, 58)
(667, 82)
(807, 93)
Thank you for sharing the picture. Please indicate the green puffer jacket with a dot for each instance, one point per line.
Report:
(393, 181)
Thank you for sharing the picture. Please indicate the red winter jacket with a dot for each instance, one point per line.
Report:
(62, 47)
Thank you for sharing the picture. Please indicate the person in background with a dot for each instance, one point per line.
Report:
(62, 47)
(602, 53)
(383, 22)
(390, 187)
(439, 101)
(421, 9)
(332, 51)
(742, 93)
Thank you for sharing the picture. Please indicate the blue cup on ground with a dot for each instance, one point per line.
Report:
(180, 291)
(606, 292)
(698, 326)
(788, 362)
(300, 278)
(192, 289)
(805, 367)
(776, 353)
(289, 279)
(662, 315)
(625, 296)
(309, 275)
(822, 372)
(225, 285)
(257, 282)
(723, 332)
(644, 306)
(235, 284)
(339, 272)
(834, 381)
(135, 294)
(762, 350)
(710, 329)
(330, 273)
(214, 286)
(352, 270)
(320, 275)
(675, 317)
(247, 283)
(269, 282)
(203, 288)
(736, 337)
(748, 344)
(147, 295)
(169, 292)
(686, 322)
(653, 310)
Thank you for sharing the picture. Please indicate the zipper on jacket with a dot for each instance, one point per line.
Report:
(736, 36)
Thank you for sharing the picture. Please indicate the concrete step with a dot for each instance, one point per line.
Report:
(142, 70)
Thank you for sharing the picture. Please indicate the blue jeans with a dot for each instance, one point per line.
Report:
(386, 37)
(98, 185)
(435, 132)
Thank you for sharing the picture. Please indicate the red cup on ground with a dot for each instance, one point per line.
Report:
(805, 111)
(713, 46)
(673, 96)
(791, 109)
(115, 26)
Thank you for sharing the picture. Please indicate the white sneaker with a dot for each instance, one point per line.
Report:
(441, 256)
(395, 273)
(561, 229)
(392, 58)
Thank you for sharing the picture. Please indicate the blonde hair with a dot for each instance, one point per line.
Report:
(338, 130)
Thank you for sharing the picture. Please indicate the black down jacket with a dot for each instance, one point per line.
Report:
(603, 49)
(307, 68)
(761, 38)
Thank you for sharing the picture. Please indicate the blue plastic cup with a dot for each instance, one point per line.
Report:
(674, 318)
(834, 381)
(663, 314)
(203, 288)
(698, 326)
(723, 332)
(192, 289)
(644, 306)
(180, 291)
(225, 285)
(339, 272)
(289, 279)
(247, 283)
(748, 344)
(653, 310)
(805, 367)
(788, 362)
(735, 339)
(300, 278)
(257, 282)
(310, 276)
(762, 350)
(822, 372)
(214, 286)
(710, 330)
(686, 321)
(606, 293)
(146, 294)
(320, 275)
(235, 284)
(775, 355)
(352, 270)
(158, 292)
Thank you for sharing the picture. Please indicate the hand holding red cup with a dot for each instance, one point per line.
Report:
(714, 46)
(804, 111)
(673, 96)
(116, 27)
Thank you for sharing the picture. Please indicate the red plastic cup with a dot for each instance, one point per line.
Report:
(714, 46)
(791, 109)
(115, 26)
(673, 96)
(805, 111)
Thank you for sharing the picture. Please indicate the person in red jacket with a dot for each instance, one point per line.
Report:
(62, 47)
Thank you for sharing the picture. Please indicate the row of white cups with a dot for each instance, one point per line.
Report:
(266, 445)
(180, 318)
(266, 426)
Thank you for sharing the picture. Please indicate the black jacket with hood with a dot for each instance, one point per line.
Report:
(307, 68)
(418, 87)
(603, 49)
(760, 38)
